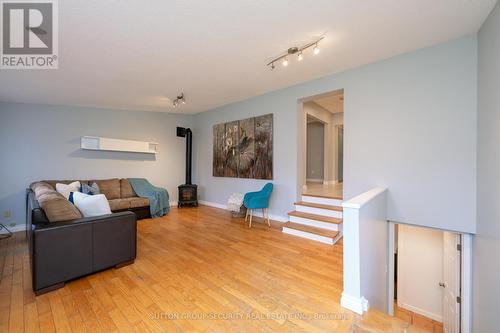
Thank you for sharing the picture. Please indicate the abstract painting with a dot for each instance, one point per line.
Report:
(244, 148)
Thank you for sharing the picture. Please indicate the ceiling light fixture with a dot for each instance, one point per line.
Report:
(316, 49)
(179, 100)
(295, 50)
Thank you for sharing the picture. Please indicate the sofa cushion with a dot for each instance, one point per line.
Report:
(54, 182)
(126, 189)
(110, 188)
(66, 189)
(91, 205)
(40, 188)
(55, 206)
(119, 204)
(91, 189)
(139, 202)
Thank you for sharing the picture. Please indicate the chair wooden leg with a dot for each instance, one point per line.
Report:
(246, 215)
(251, 214)
(267, 215)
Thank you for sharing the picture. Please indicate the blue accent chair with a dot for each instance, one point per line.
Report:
(258, 200)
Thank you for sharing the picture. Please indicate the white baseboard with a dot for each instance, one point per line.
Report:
(421, 312)
(314, 180)
(330, 182)
(355, 304)
(212, 204)
(16, 228)
(257, 213)
(173, 203)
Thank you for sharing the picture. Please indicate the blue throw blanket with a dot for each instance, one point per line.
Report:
(158, 197)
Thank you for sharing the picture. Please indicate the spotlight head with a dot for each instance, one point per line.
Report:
(316, 49)
(179, 99)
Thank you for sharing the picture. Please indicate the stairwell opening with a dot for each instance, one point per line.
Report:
(317, 213)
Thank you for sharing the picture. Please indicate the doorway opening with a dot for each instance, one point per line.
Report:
(428, 278)
(321, 145)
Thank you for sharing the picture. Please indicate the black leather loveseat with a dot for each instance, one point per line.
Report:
(65, 250)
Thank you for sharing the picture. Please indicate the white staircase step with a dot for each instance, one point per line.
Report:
(319, 221)
(319, 209)
(322, 200)
(313, 233)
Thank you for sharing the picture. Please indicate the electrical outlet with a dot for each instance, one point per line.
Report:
(7, 214)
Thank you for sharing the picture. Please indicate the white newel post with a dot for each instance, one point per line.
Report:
(351, 296)
(357, 211)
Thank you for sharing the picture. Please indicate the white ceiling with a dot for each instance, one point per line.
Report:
(129, 54)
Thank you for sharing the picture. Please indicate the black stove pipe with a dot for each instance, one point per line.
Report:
(186, 132)
(189, 147)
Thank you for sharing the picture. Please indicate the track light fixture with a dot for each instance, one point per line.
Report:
(179, 100)
(295, 50)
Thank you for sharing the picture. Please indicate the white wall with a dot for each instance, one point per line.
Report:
(43, 142)
(315, 151)
(420, 269)
(486, 244)
(410, 126)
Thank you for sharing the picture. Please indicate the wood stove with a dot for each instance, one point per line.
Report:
(188, 193)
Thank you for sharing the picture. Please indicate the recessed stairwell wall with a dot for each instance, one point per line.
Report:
(410, 126)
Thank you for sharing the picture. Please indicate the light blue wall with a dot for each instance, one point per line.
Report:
(43, 142)
(410, 126)
(486, 272)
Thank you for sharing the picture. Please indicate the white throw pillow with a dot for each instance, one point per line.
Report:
(66, 189)
(91, 205)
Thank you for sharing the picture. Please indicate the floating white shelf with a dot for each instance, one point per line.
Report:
(108, 144)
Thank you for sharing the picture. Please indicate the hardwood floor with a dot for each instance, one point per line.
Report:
(324, 190)
(197, 270)
(424, 323)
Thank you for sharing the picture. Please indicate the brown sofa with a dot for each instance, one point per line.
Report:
(63, 245)
(119, 192)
